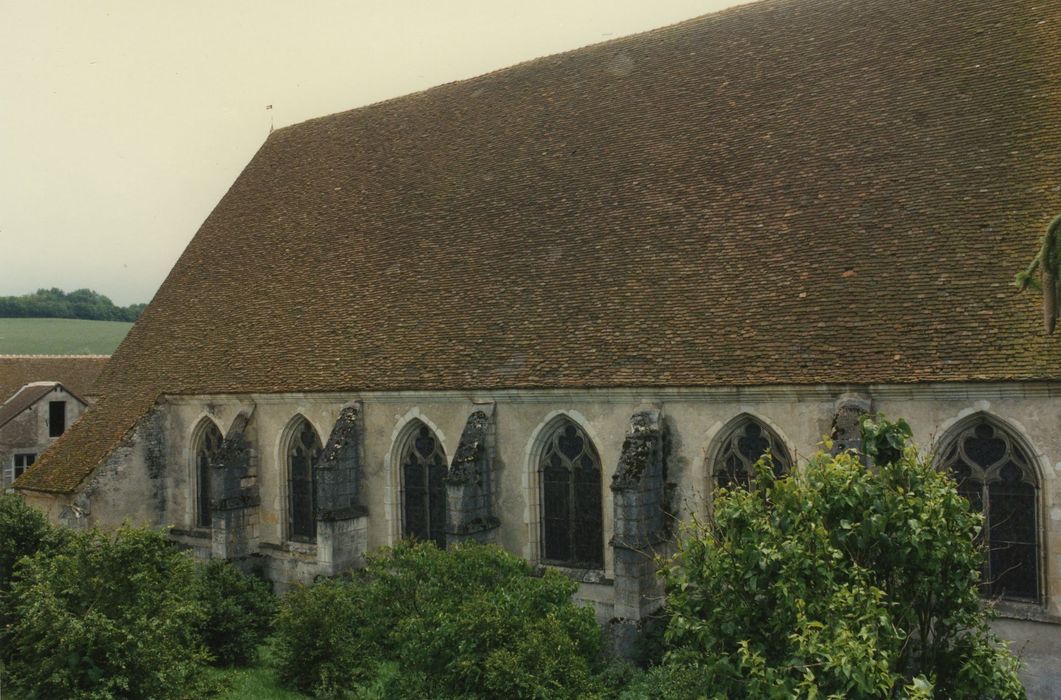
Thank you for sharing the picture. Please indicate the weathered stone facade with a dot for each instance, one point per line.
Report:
(655, 448)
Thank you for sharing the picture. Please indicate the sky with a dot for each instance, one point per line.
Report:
(123, 123)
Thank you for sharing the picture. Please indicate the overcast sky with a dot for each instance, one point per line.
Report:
(123, 123)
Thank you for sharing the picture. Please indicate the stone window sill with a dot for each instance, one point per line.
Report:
(197, 533)
(290, 546)
(595, 576)
(1032, 612)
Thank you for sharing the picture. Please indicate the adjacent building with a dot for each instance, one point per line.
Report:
(41, 395)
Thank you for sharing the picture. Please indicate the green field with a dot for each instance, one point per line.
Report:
(60, 336)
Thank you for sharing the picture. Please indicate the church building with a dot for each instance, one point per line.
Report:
(556, 306)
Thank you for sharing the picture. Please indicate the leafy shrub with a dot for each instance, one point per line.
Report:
(318, 645)
(239, 612)
(106, 616)
(834, 580)
(23, 531)
(467, 622)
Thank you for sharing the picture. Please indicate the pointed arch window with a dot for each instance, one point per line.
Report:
(995, 474)
(207, 451)
(570, 476)
(741, 447)
(424, 488)
(303, 453)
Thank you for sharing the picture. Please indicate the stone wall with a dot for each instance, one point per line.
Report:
(152, 478)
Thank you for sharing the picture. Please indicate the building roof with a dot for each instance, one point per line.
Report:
(787, 192)
(26, 397)
(78, 373)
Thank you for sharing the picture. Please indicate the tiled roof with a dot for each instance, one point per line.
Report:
(788, 192)
(78, 373)
(26, 397)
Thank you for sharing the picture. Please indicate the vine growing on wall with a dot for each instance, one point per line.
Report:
(1048, 259)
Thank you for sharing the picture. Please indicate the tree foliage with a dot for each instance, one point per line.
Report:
(239, 610)
(466, 622)
(834, 581)
(55, 303)
(23, 532)
(105, 616)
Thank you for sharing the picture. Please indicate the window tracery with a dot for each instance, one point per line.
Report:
(994, 473)
(206, 454)
(741, 448)
(572, 523)
(303, 453)
(424, 489)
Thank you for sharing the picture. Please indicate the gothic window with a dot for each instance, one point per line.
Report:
(206, 453)
(303, 453)
(741, 447)
(570, 475)
(995, 474)
(424, 488)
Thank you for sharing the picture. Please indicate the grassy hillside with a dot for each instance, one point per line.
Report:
(60, 336)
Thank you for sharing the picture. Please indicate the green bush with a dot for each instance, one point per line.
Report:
(467, 622)
(23, 531)
(318, 647)
(835, 580)
(106, 616)
(239, 612)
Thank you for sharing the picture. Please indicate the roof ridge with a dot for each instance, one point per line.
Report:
(530, 62)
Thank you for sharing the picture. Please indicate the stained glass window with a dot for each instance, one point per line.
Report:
(206, 453)
(994, 473)
(742, 447)
(424, 487)
(302, 456)
(572, 525)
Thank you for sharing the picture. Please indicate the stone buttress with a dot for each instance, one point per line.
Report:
(234, 496)
(469, 482)
(342, 521)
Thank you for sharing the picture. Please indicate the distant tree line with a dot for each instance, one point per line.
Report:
(55, 303)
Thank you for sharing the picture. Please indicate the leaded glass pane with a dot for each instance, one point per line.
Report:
(424, 488)
(206, 454)
(302, 458)
(588, 539)
(572, 522)
(1013, 538)
(556, 487)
